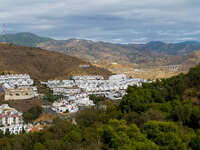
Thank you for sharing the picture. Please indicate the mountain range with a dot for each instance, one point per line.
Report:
(152, 53)
(114, 56)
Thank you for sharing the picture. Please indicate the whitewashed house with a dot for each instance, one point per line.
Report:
(77, 90)
(18, 87)
(9, 116)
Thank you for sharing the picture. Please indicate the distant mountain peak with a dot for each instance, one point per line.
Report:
(24, 39)
(155, 43)
(26, 34)
(190, 43)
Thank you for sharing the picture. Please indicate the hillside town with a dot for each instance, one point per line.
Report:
(76, 92)
(75, 95)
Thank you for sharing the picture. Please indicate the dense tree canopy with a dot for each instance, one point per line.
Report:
(163, 115)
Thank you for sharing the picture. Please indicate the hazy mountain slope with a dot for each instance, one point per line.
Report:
(150, 54)
(24, 39)
(42, 64)
(168, 48)
(88, 49)
(191, 60)
(106, 54)
(152, 59)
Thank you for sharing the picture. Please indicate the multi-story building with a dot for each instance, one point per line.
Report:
(19, 93)
(17, 87)
(10, 116)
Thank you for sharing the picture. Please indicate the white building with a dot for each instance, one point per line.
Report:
(77, 91)
(64, 105)
(87, 78)
(18, 87)
(20, 93)
(11, 120)
(71, 104)
(9, 116)
(118, 77)
(16, 129)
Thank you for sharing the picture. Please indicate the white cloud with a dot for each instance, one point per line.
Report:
(104, 19)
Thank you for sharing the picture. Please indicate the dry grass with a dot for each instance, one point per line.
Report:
(45, 117)
(42, 64)
(23, 105)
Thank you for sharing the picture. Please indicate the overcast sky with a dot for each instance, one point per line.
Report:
(122, 21)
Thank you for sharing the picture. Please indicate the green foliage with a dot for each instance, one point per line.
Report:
(183, 112)
(49, 97)
(158, 116)
(195, 144)
(164, 134)
(118, 135)
(97, 99)
(39, 146)
(87, 117)
(194, 120)
(32, 114)
(25, 39)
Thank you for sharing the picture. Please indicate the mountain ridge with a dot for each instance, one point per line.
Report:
(10, 38)
(118, 57)
(24, 39)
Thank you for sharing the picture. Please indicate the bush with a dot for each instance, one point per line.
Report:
(32, 114)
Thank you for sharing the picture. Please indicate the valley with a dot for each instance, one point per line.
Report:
(135, 60)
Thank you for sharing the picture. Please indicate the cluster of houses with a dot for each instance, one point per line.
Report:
(75, 95)
(11, 120)
(15, 87)
(72, 103)
(76, 91)
(18, 86)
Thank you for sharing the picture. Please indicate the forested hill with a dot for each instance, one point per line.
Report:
(164, 115)
(24, 39)
(181, 88)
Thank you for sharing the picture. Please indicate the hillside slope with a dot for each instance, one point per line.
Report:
(150, 54)
(42, 64)
(121, 58)
(24, 39)
(136, 55)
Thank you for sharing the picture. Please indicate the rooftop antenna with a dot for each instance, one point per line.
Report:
(4, 34)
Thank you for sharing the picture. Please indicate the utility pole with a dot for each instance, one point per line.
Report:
(3, 31)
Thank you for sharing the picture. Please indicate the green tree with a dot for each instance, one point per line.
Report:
(32, 114)
(118, 135)
(183, 112)
(195, 144)
(165, 134)
(39, 146)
